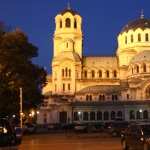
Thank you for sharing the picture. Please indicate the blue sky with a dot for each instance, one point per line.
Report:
(102, 21)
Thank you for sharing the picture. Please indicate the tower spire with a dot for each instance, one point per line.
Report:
(68, 5)
(142, 14)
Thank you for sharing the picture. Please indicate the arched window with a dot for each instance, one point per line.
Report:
(146, 37)
(147, 92)
(119, 114)
(99, 115)
(126, 40)
(137, 69)
(63, 86)
(75, 23)
(69, 72)
(93, 74)
(132, 38)
(85, 74)
(55, 87)
(139, 37)
(87, 97)
(114, 97)
(63, 72)
(100, 73)
(68, 23)
(66, 72)
(115, 74)
(60, 23)
(106, 115)
(103, 97)
(113, 115)
(90, 97)
(62, 117)
(145, 114)
(144, 67)
(132, 70)
(85, 116)
(75, 116)
(69, 87)
(138, 115)
(45, 118)
(107, 74)
(100, 97)
(132, 115)
(92, 115)
(67, 45)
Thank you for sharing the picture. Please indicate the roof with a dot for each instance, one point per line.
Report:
(68, 54)
(100, 61)
(101, 89)
(111, 103)
(70, 11)
(141, 23)
(142, 56)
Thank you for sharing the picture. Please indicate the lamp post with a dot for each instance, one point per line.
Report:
(79, 115)
(141, 111)
(20, 96)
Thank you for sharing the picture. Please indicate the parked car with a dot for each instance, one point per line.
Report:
(29, 128)
(117, 127)
(19, 134)
(136, 136)
(95, 127)
(100, 127)
(7, 134)
(81, 127)
(55, 126)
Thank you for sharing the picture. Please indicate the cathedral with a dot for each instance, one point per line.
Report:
(100, 88)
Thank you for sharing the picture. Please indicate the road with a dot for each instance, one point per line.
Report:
(69, 142)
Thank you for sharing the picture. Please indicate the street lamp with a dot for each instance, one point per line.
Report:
(33, 113)
(79, 115)
(37, 112)
(21, 114)
(13, 116)
(140, 110)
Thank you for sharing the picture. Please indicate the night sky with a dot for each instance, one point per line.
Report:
(102, 21)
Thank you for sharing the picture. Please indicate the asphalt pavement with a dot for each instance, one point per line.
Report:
(68, 141)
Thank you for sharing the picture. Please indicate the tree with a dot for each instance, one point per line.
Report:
(17, 70)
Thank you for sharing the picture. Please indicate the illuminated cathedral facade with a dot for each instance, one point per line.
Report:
(101, 88)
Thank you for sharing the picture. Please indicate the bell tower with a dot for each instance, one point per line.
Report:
(68, 32)
(67, 52)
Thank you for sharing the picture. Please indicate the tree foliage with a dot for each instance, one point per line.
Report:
(17, 70)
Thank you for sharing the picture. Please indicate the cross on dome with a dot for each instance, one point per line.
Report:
(68, 5)
(142, 14)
